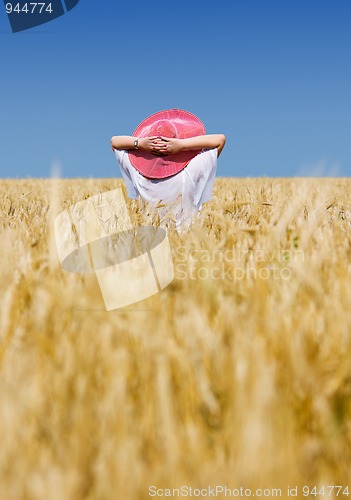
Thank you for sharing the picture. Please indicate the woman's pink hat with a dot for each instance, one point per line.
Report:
(171, 123)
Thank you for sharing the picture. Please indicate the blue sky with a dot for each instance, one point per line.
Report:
(274, 76)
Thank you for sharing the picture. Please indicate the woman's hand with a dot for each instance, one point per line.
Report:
(166, 145)
(159, 146)
(148, 144)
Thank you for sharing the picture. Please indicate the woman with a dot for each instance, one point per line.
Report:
(170, 159)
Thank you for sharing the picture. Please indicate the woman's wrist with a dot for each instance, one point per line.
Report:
(141, 142)
(184, 144)
(181, 144)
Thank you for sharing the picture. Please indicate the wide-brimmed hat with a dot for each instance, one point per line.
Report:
(173, 123)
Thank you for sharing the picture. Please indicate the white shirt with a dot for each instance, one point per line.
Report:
(185, 191)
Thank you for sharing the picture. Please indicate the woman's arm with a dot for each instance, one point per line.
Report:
(169, 146)
(122, 142)
(166, 145)
(127, 142)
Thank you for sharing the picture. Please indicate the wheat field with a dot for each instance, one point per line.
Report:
(237, 374)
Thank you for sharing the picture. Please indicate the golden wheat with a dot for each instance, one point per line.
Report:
(236, 374)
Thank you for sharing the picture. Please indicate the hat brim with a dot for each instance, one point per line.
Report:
(160, 167)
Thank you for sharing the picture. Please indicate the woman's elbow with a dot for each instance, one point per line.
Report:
(221, 139)
(114, 142)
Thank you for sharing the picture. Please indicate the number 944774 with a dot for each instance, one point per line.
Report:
(29, 8)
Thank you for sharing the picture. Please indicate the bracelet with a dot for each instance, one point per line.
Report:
(136, 143)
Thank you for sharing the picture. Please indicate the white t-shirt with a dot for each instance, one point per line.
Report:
(185, 191)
